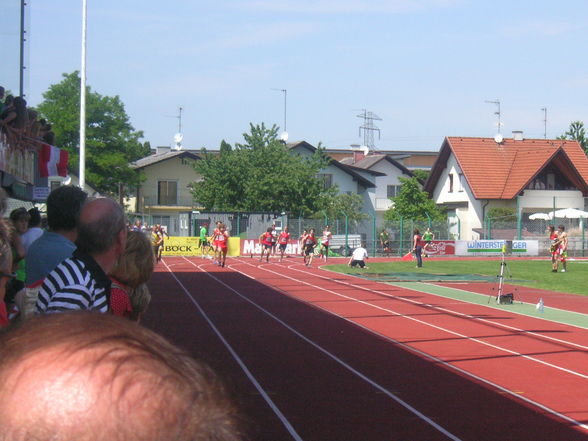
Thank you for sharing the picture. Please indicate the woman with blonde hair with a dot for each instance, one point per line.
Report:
(132, 270)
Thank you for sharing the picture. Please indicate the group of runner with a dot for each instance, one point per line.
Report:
(219, 242)
(558, 247)
(272, 240)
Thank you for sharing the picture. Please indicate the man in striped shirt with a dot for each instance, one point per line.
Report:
(81, 282)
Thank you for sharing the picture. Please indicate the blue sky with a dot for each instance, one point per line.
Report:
(426, 67)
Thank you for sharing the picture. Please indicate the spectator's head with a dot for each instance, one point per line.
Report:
(63, 207)
(34, 217)
(20, 219)
(9, 101)
(86, 376)
(102, 229)
(135, 265)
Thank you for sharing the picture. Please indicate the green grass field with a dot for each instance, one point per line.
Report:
(532, 273)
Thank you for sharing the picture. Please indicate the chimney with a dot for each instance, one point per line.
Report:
(358, 155)
(517, 135)
(162, 149)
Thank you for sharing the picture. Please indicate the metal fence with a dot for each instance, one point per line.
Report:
(527, 229)
(347, 231)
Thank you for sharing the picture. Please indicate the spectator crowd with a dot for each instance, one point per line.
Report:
(75, 364)
(21, 124)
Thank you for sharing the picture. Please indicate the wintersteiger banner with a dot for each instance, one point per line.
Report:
(495, 247)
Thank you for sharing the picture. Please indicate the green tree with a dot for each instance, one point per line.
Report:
(333, 204)
(111, 141)
(261, 174)
(577, 132)
(413, 203)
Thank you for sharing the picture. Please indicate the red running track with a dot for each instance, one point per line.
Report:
(313, 355)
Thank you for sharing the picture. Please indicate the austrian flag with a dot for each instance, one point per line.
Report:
(52, 161)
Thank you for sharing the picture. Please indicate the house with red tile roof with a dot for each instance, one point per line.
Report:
(472, 175)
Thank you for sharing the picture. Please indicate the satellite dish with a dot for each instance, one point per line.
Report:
(178, 138)
(365, 149)
(498, 138)
(284, 136)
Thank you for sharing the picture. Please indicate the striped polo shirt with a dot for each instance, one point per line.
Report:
(77, 283)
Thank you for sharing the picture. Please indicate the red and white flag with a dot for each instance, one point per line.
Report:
(52, 161)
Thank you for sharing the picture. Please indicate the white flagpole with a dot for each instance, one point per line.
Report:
(82, 175)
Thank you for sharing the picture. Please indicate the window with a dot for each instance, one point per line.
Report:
(327, 180)
(450, 183)
(461, 182)
(167, 193)
(393, 190)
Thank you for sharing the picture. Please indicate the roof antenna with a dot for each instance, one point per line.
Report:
(497, 102)
(544, 109)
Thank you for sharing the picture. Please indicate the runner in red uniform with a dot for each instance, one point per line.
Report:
(265, 240)
(283, 240)
(222, 240)
(309, 246)
(215, 233)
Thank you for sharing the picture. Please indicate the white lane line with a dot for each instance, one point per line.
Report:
(234, 354)
(541, 406)
(337, 359)
(461, 314)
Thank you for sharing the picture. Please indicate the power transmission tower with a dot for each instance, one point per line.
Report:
(369, 128)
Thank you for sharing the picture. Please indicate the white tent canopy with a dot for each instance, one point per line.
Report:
(568, 213)
(542, 216)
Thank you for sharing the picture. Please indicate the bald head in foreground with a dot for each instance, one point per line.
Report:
(91, 377)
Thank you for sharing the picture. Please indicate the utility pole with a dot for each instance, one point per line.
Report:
(369, 128)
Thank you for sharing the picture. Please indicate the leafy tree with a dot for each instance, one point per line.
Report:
(421, 175)
(577, 132)
(111, 140)
(260, 175)
(413, 203)
(333, 204)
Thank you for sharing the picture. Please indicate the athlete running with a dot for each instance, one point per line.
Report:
(324, 249)
(283, 240)
(309, 246)
(222, 240)
(265, 240)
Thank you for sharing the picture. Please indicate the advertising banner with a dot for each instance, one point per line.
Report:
(496, 247)
(251, 247)
(441, 248)
(190, 246)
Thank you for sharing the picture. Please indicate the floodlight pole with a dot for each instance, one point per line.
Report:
(285, 92)
(82, 176)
